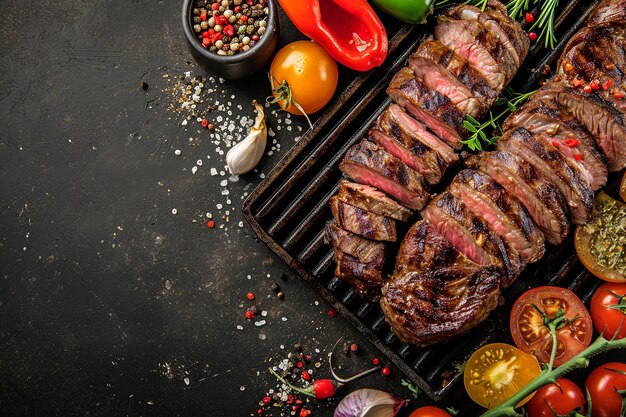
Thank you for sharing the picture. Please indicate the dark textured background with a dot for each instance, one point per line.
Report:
(108, 301)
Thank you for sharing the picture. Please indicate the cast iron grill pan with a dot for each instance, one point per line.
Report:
(289, 209)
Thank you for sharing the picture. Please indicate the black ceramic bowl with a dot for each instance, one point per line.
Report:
(241, 64)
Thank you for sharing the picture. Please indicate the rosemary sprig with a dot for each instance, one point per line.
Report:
(544, 21)
(479, 135)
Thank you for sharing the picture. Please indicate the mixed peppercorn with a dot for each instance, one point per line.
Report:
(228, 27)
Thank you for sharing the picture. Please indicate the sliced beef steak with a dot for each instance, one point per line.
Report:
(364, 250)
(473, 42)
(370, 199)
(359, 261)
(501, 210)
(472, 236)
(608, 12)
(436, 297)
(543, 200)
(397, 123)
(362, 222)
(409, 156)
(543, 116)
(459, 68)
(367, 163)
(436, 111)
(439, 79)
(545, 157)
(365, 278)
(604, 122)
(503, 28)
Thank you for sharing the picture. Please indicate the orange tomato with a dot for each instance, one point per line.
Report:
(495, 372)
(303, 73)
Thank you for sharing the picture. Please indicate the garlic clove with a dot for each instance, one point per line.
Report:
(245, 155)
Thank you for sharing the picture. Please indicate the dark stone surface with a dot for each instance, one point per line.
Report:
(108, 301)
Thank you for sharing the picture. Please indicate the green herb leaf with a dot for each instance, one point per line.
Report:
(469, 126)
(415, 391)
(452, 411)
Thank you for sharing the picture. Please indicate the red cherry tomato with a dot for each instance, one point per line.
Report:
(532, 335)
(430, 411)
(608, 310)
(603, 384)
(561, 398)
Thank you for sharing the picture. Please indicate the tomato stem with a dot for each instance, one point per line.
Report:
(546, 377)
(282, 93)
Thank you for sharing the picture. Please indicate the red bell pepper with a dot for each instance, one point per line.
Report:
(349, 30)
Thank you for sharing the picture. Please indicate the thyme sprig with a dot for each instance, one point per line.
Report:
(544, 21)
(511, 100)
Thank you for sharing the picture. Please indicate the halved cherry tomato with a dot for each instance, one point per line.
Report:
(603, 384)
(307, 72)
(560, 398)
(600, 243)
(531, 314)
(608, 310)
(430, 411)
(495, 372)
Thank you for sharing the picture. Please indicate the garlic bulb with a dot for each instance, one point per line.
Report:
(244, 156)
(369, 403)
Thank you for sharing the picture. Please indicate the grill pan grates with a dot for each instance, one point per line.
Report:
(288, 211)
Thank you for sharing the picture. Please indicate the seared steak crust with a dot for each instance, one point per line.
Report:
(364, 250)
(501, 210)
(438, 295)
(366, 279)
(545, 157)
(543, 200)
(370, 199)
(369, 164)
(362, 222)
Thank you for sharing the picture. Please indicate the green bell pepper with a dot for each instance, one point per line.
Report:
(408, 11)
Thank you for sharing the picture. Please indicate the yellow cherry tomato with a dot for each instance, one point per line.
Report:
(496, 372)
(303, 73)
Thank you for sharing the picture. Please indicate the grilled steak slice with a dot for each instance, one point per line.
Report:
(608, 12)
(370, 199)
(543, 116)
(543, 200)
(439, 79)
(365, 278)
(605, 123)
(459, 68)
(472, 236)
(503, 213)
(363, 250)
(473, 42)
(435, 153)
(436, 111)
(369, 164)
(362, 222)
(541, 154)
(393, 145)
(439, 293)
(508, 32)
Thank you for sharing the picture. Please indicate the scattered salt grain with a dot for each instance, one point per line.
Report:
(264, 313)
(199, 162)
(262, 336)
(239, 327)
(224, 183)
(194, 169)
(174, 211)
(213, 172)
(177, 152)
(260, 323)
